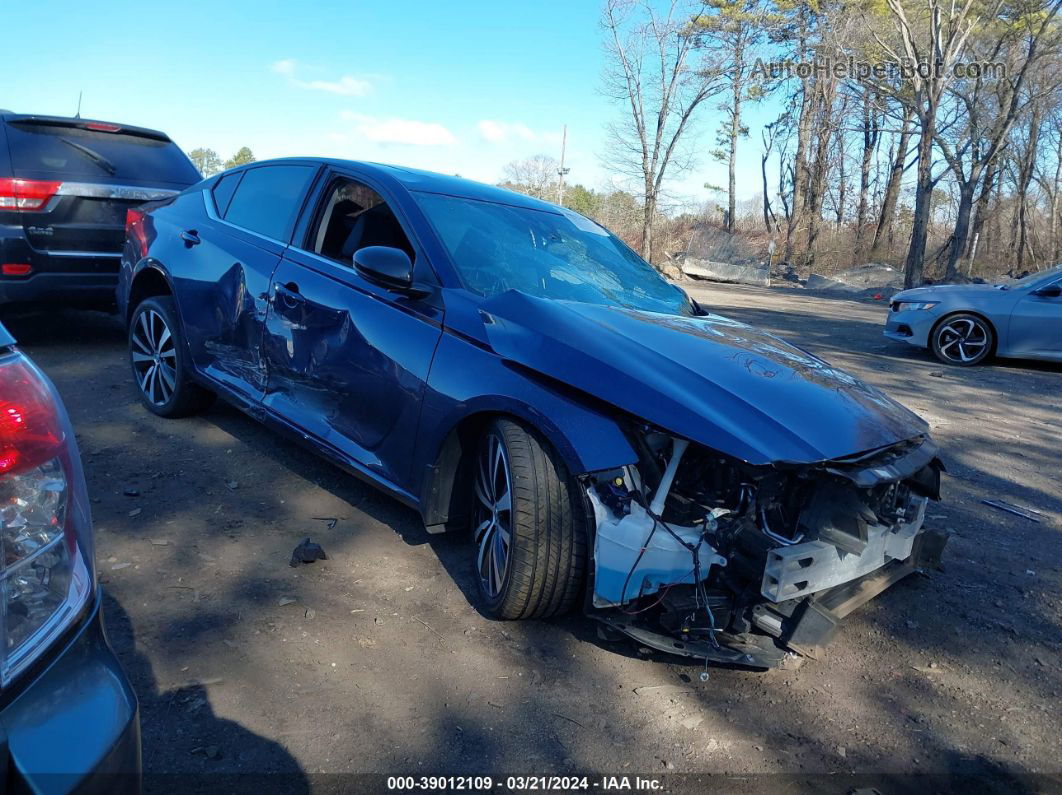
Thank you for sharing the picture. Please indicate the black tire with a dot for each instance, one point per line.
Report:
(962, 339)
(545, 561)
(158, 355)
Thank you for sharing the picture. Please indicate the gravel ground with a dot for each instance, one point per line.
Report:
(376, 659)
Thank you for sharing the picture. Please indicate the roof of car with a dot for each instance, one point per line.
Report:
(431, 182)
(77, 121)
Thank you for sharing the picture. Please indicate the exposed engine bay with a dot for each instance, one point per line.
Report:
(699, 554)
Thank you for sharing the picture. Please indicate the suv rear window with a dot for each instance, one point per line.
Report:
(60, 151)
(268, 199)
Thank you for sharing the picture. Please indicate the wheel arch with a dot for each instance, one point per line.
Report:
(444, 501)
(150, 280)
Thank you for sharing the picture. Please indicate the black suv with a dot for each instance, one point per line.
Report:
(65, 187)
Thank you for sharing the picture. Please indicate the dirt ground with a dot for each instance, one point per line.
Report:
(377, 660)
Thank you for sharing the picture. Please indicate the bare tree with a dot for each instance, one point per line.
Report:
(990, 104)
(536, 176)
(652, 70)
(871, 135)
(897, 167)
(935, 45)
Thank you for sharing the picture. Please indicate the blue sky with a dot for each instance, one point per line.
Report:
(458, 87)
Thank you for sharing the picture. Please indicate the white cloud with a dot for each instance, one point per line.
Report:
(399, 131)
(347, 85)
(497, 132)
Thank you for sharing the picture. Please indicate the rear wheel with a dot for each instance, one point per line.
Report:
(157, 355)
(962, 340)
(530, 541)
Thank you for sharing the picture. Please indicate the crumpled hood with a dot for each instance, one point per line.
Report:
(712, 380)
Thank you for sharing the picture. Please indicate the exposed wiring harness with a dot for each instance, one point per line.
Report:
(700, 593)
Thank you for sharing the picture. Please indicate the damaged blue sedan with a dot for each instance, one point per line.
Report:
(513, 371)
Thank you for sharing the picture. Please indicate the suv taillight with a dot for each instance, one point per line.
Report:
(26, 195)
(46, 575)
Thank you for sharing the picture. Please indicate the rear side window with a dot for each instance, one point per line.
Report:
(223, 190)
(268, 199)
(62, 152)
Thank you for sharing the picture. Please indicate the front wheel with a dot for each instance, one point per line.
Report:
(158, 359)
(962, 340)
(528, 523)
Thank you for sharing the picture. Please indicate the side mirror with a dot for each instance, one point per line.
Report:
(390, 267)
(1050, 291)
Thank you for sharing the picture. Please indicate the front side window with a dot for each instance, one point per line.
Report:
(550, 254)
(268, 199)
(356, 216)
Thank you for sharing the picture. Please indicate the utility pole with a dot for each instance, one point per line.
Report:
(562, 170)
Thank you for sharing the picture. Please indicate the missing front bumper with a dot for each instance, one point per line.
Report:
(787, 632)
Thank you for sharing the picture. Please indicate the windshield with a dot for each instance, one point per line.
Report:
(1035, 277)
(560, 255)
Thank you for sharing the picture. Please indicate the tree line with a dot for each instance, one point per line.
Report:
(920, 132)
(208, 163)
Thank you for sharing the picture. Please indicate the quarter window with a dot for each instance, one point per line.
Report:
(223, 190)
(268, 198)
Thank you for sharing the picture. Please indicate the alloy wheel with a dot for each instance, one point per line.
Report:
(494, 513)
(962, 340)
(154, 357)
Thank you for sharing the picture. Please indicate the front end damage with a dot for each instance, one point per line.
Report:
(703, 555)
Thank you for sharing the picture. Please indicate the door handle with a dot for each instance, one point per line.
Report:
(289, 294)
(190, 238)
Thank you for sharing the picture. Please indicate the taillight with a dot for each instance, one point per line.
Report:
(101, 126)
(45, 544)
(134, 230)
(26, 195)
(16, 269)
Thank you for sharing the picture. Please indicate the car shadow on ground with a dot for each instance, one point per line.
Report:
(198, 751)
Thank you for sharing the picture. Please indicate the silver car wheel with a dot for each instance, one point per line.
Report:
(962, 340)
(494, 509)
(154, 357)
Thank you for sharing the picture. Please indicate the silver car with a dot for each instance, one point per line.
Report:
(963, 324)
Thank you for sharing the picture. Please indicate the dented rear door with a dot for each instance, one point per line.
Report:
(228, 257)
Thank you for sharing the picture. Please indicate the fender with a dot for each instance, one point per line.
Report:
(469, 384)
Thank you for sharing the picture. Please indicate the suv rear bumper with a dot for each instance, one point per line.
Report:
(93, 289)
(58, 277)
(76, 725)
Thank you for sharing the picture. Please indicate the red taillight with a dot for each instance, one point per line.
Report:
(16, 269)
(134, 230)
(100, 126)
(46, 573)
(26, 195)
(30, 429)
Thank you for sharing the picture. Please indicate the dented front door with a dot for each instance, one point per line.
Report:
(348, 360)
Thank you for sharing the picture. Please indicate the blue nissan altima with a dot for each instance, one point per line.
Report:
(511, 370)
